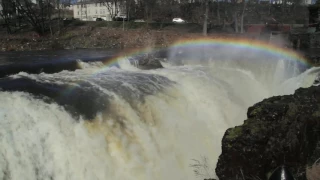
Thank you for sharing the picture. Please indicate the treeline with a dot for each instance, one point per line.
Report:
(221, 13)
(45, 16)
(194, 10)
(213, 12)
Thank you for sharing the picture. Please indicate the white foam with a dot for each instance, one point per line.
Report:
(152, 139)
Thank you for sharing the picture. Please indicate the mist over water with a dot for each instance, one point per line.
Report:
(126, 123)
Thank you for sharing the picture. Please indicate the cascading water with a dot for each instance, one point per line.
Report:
(125, 123)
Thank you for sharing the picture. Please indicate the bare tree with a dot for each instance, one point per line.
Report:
(238, 15)
(113, 6)
(6, 13)
(242, 15)
(218, 12)
(201, 168)
(36, 14)
(236, 28)
(205, 21)
(165, 10)
(149, 7)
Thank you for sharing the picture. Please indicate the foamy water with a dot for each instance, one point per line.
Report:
(154, 123)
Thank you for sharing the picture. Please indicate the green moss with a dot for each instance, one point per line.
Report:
(256, 111)
(234, 132)
(316, 114)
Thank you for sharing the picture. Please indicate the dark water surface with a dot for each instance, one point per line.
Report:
(49, 61)
(84, 97)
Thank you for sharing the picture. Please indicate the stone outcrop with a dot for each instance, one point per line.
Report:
(314, 59)
(281, 130)
(151, 60)
(305, 40)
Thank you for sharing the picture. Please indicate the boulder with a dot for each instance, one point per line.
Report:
(147, 61)
(281, 130)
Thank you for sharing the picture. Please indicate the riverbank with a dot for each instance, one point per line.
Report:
(92, 35)
(95, 35)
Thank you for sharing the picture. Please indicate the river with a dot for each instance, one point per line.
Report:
(98, 120)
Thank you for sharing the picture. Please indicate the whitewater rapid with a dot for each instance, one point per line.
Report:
(108, 123)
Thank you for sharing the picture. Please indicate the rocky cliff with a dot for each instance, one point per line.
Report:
(282, 130)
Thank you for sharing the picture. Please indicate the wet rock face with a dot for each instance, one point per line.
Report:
(148, 61)
(281, 173)
(313, 59)
(282, 130)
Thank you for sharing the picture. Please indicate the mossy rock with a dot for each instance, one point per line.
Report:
(281, 130)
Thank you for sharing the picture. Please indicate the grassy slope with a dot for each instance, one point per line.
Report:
(79, 34)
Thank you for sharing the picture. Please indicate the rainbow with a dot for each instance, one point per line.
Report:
(244, 44)
(227, 42)
(127, 53)
(209, 42)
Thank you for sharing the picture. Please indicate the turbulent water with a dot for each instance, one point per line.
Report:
(124, 123)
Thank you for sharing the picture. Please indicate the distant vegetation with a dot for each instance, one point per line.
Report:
(47, 16)
(132, 24)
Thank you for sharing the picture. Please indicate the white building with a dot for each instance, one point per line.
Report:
(89, 11)
(308, 2)
(303, 2)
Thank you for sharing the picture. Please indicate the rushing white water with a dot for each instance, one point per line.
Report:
(152, 128)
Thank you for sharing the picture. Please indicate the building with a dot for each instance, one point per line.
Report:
(303, 2)
(90, 11)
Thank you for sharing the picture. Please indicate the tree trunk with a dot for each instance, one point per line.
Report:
(49, 17)
(42, 17)
(7, 24)
(242, 15)
(241, 24)
(218, 12)
(4, 15)
(236, 22)
(224, 24)
(205, 22)
(146, 14)
(284, 2)
(59, 16)
(270, 5)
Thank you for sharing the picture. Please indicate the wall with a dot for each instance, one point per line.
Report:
(91, 11)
